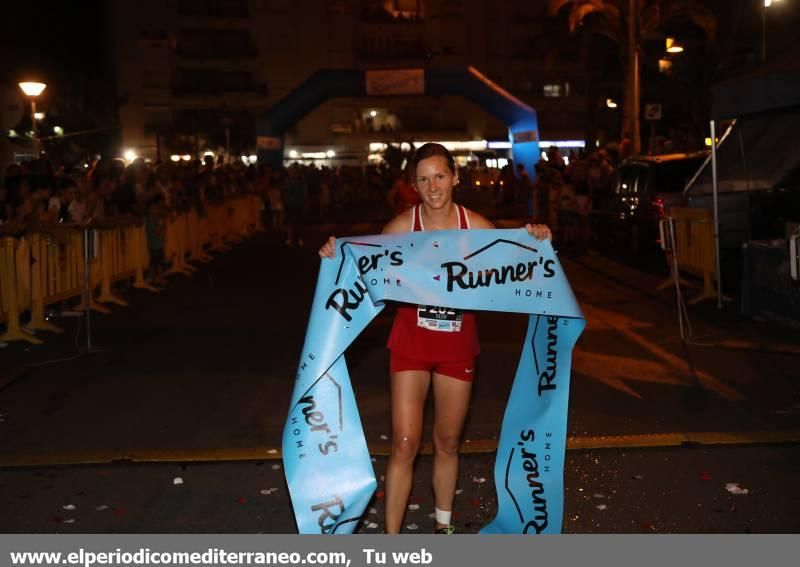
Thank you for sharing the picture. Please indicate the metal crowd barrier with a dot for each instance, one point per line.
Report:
(40, 269)
(693, 232)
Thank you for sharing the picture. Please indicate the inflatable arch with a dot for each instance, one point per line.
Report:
(523, 130)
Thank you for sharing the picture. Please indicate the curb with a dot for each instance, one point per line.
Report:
(480, 446)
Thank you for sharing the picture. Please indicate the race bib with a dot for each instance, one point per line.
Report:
(439, 318)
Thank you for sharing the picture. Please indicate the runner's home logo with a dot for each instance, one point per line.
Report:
(524, 483)
(546, 363)
(459, 274)
(322, 424)
(346, 299)
(329, 514)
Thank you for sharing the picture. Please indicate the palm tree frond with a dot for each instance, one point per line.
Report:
(650, 19)
(701, 16)
(554, 6)
(578, 14)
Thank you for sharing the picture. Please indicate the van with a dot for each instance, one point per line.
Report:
(642, 191)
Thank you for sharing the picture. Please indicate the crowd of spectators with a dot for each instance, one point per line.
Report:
(37, 197)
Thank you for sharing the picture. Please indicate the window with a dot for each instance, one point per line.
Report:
(552, 90)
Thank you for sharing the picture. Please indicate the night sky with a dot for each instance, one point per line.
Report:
(53, 37)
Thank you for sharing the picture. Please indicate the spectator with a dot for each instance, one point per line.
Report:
(402, 195)
(583, 208)
(294, 200)
(155, 225)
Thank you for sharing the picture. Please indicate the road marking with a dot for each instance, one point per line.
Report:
(382, 448)
(622, 325)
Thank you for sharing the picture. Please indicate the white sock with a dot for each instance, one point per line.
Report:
(443, 516)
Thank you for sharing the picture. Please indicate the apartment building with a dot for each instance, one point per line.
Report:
(194, 75)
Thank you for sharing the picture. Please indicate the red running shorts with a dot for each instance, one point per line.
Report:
(460, 370)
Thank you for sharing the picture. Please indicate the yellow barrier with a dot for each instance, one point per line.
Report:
(42, 269)
(694, 248)
(9, 293)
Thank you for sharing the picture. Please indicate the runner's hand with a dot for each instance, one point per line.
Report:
(328, 249)
(539, 231)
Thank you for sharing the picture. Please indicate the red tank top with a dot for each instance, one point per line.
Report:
(456, 334)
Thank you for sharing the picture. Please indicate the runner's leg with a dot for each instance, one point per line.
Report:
(409, 390)
(451, 403)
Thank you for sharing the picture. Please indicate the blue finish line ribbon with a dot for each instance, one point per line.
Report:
(326, 460)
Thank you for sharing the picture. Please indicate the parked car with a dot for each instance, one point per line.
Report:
(642, 191)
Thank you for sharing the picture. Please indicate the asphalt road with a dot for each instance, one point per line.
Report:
(194, 383)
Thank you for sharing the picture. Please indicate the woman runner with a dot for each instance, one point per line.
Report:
(425, 349)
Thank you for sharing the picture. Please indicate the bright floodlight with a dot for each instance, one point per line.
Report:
(32, 88)
(610, 103)
(129, 155)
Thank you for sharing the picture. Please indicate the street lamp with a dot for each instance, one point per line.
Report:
(32, 90)
(767, 4)
(673, 46)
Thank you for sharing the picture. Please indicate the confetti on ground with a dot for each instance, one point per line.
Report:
(705, 475)
(102, 508)
(69, 521)
(374, 460)
(69, 507)
(459, 491)
(598, 495)
(638, 477)
(276, 467)
(468, 441)
(384, 437)
(649, 526)
(373, 510)
(372, 526)
(412, 527)
(177, 480)
(413, 507)
(734, 488)
(475, 502)
(601, 506)
(432, 515)
(380, 494)
(120, 511)
(273, 452)
(242, 500)
(268, 491)
(477, 480)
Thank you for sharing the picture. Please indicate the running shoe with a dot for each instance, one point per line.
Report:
(449, 530)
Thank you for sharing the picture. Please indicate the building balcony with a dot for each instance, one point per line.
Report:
(391, 55)
(382, 17)
(215, 53)
(219, 86)
(213, 9)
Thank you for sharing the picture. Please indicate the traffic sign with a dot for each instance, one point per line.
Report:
(652, 112)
